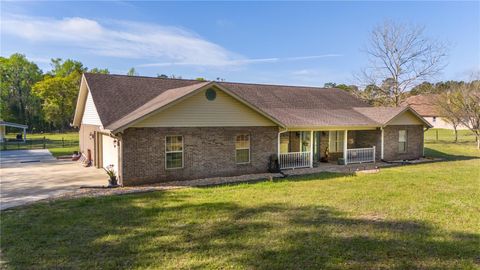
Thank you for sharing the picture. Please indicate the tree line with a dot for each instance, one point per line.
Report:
(43, 101)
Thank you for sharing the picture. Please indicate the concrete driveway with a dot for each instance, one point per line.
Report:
(27, 176)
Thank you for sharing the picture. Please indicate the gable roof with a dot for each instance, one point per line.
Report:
(425, 105)
(385, 115)
(122, 100)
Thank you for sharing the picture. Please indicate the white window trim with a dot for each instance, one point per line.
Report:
(406, 141)
(249, 146)
(183, 159)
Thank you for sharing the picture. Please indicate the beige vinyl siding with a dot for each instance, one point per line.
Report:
(90, 115)
(406, 118)
(198, 111)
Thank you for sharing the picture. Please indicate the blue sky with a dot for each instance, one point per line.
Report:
(302, 43)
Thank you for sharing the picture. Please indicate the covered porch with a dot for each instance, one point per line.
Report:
(313, 148)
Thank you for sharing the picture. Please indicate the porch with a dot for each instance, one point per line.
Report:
(308, 149)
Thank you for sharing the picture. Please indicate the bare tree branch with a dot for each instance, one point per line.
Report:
(402, 55)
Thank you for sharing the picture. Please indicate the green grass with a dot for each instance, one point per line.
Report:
(447, 135)
(422, 216)
(59, 144)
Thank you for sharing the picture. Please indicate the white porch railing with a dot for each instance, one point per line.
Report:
(294, 160)
(360, 155)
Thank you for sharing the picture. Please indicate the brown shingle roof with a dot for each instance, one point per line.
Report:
(296, 106)
(116, 96)
(425, 105)
(120, 100)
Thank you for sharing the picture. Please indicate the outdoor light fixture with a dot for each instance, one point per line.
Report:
(91, 135)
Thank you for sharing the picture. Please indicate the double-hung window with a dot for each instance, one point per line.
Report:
(173, 152)
(336, 141)
(242, 149)
(402, 141)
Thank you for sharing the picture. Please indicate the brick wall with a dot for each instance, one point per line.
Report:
(414, 142)
(369, 138)
(208, 152)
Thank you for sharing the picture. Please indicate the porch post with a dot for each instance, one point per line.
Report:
(381, 145)
(311, 148)
(278, 147)
(345, 143)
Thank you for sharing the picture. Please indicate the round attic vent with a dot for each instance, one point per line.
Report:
(211, 94)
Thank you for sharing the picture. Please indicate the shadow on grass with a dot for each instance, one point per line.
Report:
(430, 152)
(172, 230)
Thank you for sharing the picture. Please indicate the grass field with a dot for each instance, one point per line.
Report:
(58, 144)
(412, 217)
(447, 135)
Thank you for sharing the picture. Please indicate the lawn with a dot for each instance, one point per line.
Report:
(58, 144)
(420, 216)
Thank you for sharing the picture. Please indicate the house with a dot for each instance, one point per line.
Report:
(426, 106)
(155, 129)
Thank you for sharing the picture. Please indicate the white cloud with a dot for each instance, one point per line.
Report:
(119, 39)
(163, 45)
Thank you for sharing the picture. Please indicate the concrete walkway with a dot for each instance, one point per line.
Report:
(28, 177)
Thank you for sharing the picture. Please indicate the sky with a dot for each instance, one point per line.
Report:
(296, 43)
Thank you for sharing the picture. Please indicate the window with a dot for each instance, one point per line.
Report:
(242, 148)
(402, 141)
(336, 141)
(174, 152)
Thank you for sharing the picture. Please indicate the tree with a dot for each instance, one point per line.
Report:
(17, 76)
(423, 88)
(64, 68)
(200, 79)
(58, 96)
(450, 115)
(163, 76)
(132, 72)
(462, 103)
(58, 91)
(99, 70)
(329, 85)
(402, 56)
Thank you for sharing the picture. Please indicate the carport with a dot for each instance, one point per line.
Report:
(3, 126)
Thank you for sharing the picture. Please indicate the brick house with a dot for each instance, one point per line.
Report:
(154, 129)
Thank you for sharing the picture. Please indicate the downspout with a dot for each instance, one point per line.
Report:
(381, 143)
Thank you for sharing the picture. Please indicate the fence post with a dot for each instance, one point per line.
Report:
(436, 132)
(44, 146)
(63, 142)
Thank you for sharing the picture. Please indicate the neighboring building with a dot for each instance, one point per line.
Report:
(426, 106)
(154, 129)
